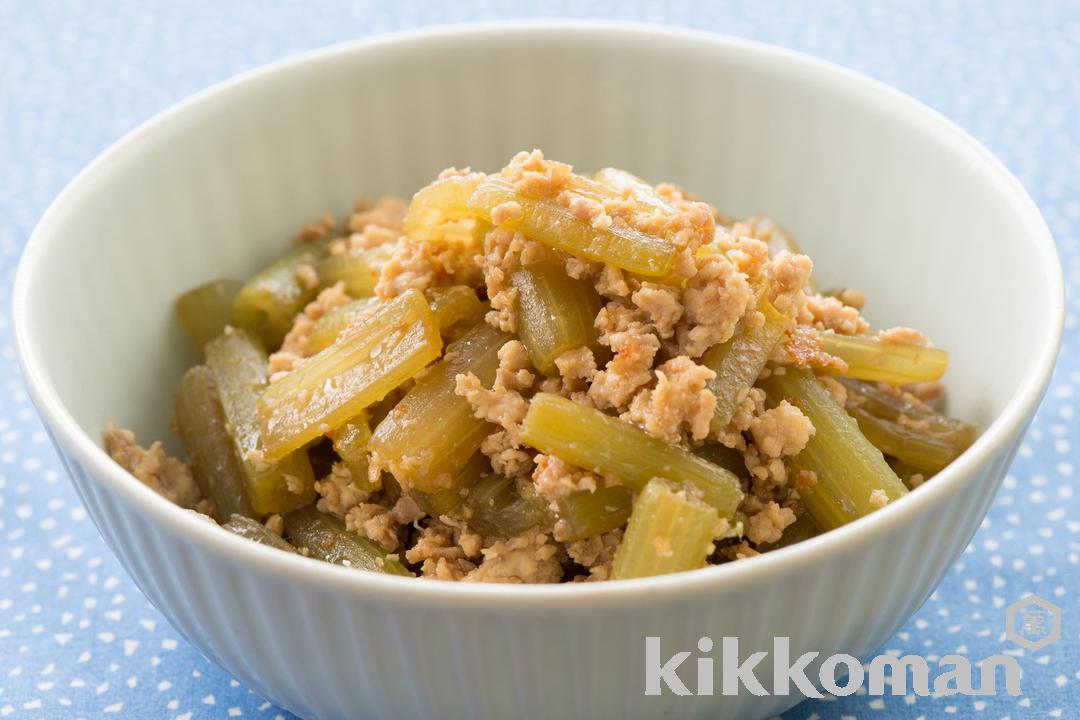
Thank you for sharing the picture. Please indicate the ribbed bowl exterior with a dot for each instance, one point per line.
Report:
(326, 654)
(213, 187)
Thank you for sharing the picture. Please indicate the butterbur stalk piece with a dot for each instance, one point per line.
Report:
(239, 366)
(586, 513)
(550, 223)
(896, 363)
(739, 361)
(324, 537)
(555, 312)
(852, 477)
(205, 310)
(606, 445)
(254, 530)
(431, 433)
(267, 303)
(200, 422)
(383, 350)
(670, 530)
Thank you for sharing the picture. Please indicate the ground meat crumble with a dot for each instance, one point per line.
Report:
(717, 298)
(595, 554)
(382, 524)
(777, 433)
(505, 406)
(679, 402)
(768, 524)
(554, 479)
(418, 265)
(577, 368)
(165, 475)
(442, 553)
(527, 558)
(783, 430)
(829, 313)
(630, 369)
(338, 493)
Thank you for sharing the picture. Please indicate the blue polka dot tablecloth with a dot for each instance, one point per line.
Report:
(77, 640)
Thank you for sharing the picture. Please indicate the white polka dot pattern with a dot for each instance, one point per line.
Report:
(77, 640)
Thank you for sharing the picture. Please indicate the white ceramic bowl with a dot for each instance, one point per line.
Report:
(886, 195)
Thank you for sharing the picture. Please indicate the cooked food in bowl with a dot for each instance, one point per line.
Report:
(539, 376)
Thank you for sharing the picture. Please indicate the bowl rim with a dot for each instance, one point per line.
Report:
(190, 528)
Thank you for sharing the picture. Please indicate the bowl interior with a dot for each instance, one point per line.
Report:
(886, 198)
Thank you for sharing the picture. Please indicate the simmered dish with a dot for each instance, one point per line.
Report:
(542, 376)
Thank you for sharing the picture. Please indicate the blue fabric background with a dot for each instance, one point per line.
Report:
(77, 640)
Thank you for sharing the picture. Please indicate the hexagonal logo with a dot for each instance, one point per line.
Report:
(1033, 623)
